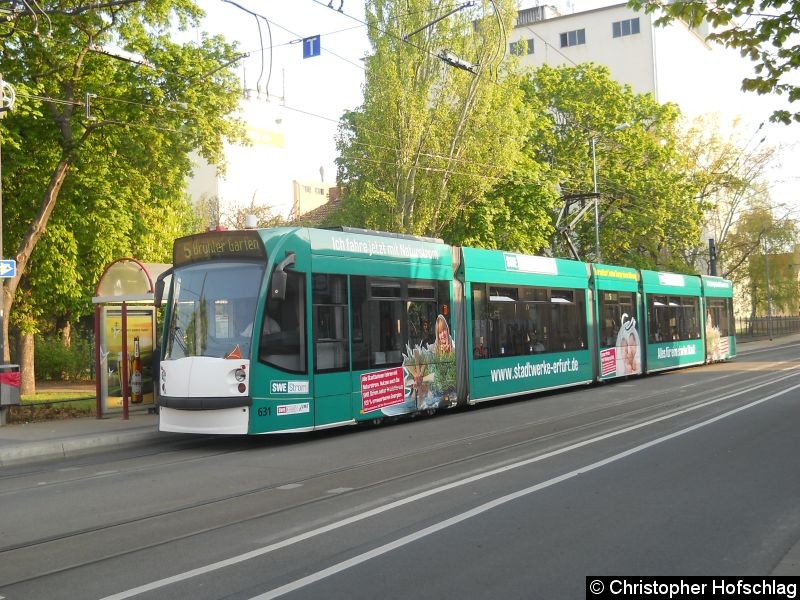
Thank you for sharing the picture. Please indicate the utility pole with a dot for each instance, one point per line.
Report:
(712, 257)
(769, 291)
(596, 203)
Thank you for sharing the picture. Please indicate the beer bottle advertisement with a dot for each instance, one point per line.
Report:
(140, 326)
(136, 374)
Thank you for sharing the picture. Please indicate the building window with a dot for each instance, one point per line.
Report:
(626, 27)
(521, 47)
(573, 38)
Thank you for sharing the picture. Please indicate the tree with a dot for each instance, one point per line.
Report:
(764, 31)
(96, 152)
(759, 234)
(431, 138)
(729, 173)
(648, 212)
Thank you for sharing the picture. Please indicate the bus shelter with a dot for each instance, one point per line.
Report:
(124, 314)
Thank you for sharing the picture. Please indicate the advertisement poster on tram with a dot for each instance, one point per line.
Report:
(717, 345)
(625, 357)
(426, 381)
(140, 322)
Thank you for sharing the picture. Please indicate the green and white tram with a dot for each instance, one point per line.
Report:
(298, 329)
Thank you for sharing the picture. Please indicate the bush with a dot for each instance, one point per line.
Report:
(55, 362)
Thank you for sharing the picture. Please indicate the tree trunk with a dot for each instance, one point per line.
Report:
(66, 334)
(26, 364)
(26, 247)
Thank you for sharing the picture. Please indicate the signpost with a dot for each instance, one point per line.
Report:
(311, 46)
(8, 269)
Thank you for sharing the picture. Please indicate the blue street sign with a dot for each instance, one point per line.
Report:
(311, 46)
(8, 268)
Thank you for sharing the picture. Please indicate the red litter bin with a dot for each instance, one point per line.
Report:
(9, 385)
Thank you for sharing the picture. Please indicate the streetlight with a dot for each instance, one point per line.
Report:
(596, 204)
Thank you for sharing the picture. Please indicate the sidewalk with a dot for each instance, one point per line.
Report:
(49, 440)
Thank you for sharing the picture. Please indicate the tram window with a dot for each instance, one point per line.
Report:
(388, 315)
(673, 318)
(613, 307)
(330, 327)
(719, 315)
(690, 322)
(421, 322)
(511, 321)
(480, 322)
(658, 317)
(568, 320)
(283, 330)
(388, 290)
(421, 292)
(386, 339)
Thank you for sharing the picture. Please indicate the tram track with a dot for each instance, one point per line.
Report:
(242, 503)
(287, 439)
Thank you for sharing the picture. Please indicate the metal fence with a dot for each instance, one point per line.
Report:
(753, 327)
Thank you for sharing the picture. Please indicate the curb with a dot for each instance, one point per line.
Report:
(30, 452)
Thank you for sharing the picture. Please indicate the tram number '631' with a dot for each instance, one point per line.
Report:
(264, 411)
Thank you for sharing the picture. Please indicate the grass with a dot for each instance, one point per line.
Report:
(49, 406)
(56, 397)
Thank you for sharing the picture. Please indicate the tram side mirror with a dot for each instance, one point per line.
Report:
(158, 294)
(277, 290)
(277, 287)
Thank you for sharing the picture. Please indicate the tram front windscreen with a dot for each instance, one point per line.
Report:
(213, 309)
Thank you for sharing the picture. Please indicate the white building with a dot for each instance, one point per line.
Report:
(265, 172)
(673, 63)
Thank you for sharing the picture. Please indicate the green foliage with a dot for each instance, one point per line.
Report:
(56, 362)
(96, 151)
(430, 139)
(758, 234)
(443, 369)
(764, 31)
(648, 213)
(730, 175)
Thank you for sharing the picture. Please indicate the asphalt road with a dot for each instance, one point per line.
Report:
(692, 472)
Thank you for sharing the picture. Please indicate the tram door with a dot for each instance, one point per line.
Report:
(331, 350)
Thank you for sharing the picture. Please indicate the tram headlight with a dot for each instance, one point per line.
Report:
(240, 375)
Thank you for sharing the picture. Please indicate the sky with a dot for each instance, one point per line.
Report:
(295, 102)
